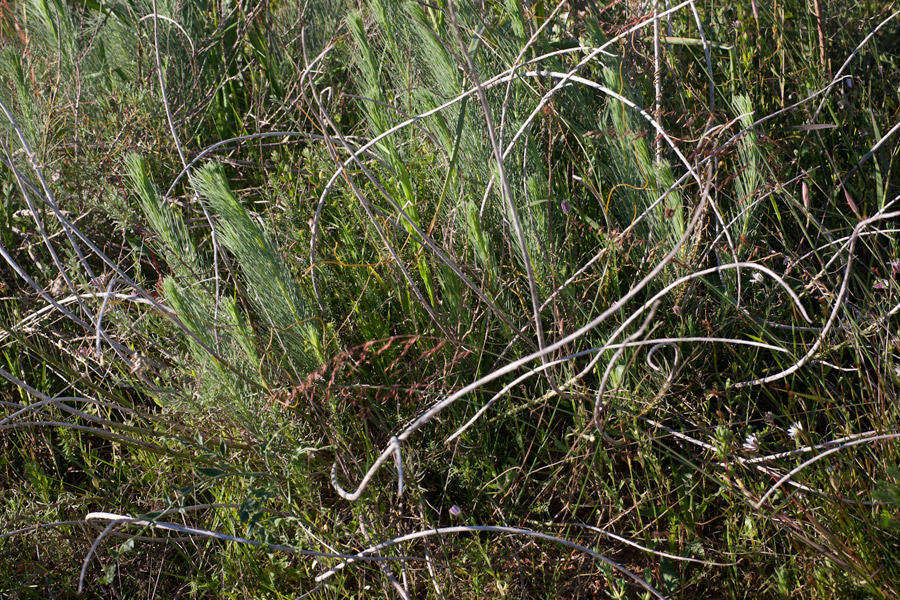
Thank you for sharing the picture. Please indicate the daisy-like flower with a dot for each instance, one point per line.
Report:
(795, 430)
(757, 277)
(751, 444)
(138, 364)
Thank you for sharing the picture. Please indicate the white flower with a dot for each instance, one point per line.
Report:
(795, 429)
(757, 277)
(751, 444)
(138, 364)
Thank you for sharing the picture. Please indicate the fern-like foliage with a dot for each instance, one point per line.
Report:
(748, 178)
(188, 292)
(173, 240)
(631, 161)
(268, 279)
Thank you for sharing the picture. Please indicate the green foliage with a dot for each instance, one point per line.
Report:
(269, 281)
(242, 385)
(749, 177)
